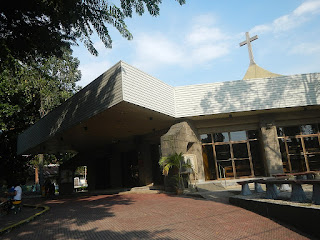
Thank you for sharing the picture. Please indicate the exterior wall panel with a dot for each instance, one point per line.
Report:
(146, 91)
(254, 94)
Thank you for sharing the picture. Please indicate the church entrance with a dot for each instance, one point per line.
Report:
(232, 155)
(130, 169)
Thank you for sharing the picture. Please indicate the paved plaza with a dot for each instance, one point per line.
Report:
(148, 216)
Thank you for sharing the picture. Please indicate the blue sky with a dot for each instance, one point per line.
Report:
(199, 42)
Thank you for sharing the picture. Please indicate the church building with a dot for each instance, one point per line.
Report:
(125, 120)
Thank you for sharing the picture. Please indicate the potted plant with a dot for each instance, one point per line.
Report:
(178, 166)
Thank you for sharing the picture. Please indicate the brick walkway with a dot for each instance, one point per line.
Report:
(148, 216)
(11, 218)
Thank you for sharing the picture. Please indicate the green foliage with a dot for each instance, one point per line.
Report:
(28, 92)
(30, 28)
(174, 161)
(80, 171)
(166, 163)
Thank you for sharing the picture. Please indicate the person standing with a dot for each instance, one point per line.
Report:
(17, 194)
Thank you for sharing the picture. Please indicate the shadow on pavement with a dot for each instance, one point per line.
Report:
(93, 213)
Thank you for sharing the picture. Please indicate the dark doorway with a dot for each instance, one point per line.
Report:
(103, 172)
(130, 169)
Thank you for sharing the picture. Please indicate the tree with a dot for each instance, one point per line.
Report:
(176, 163)
(28, 92)
(30, 28)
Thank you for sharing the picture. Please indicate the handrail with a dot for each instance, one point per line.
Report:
(224, 174)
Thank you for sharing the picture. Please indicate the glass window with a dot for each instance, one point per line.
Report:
(314, 162)
(292, 131)
(253, 134)
(280, 131)
(294, 155)
(311, 144)
(294, 146)
(309, 129)
(258, 166)
(221, 137)
(208, 162)
(242, 168)
(282, 144)
(285, 162)
(225, 166)
(238, 136)
(298, 163)
(219, 154)
(223, 152)
(206, 138)
(240, 150)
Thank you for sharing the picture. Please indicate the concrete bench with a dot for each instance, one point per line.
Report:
(245, 190)
(272, 191)
(316, 189)
(300, 175)
(297, 193)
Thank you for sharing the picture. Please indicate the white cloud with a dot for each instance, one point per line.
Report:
(203, 19)
(306, 49)
(203, 35)
(309, 7)
(290, 21)
(152, 50)
(91, 71)
(202, 44)
(209, 52)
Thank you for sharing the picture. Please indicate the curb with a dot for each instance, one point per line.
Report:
(9, 228)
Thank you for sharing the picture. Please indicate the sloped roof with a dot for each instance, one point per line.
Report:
(124, 100)
(250, 95)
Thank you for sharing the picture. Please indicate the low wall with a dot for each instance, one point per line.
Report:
(304, 218)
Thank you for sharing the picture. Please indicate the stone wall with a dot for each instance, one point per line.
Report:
(183, 138)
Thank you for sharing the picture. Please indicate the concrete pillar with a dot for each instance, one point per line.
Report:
(66, 181)
(91, 174)
(183, 138)
(269, 137)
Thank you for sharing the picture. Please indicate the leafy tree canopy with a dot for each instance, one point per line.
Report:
(28, 92)
(30, 28)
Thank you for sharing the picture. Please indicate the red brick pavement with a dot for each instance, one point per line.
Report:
(148, 216)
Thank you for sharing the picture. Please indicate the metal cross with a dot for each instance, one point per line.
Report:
(248, 42)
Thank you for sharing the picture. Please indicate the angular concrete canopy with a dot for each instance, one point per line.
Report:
(121, 103)
(125, 102)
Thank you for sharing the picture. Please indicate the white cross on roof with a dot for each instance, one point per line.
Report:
(248, 42)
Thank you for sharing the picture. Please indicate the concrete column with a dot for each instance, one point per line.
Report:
(183, 138)
(269, 137)
(91, 174)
